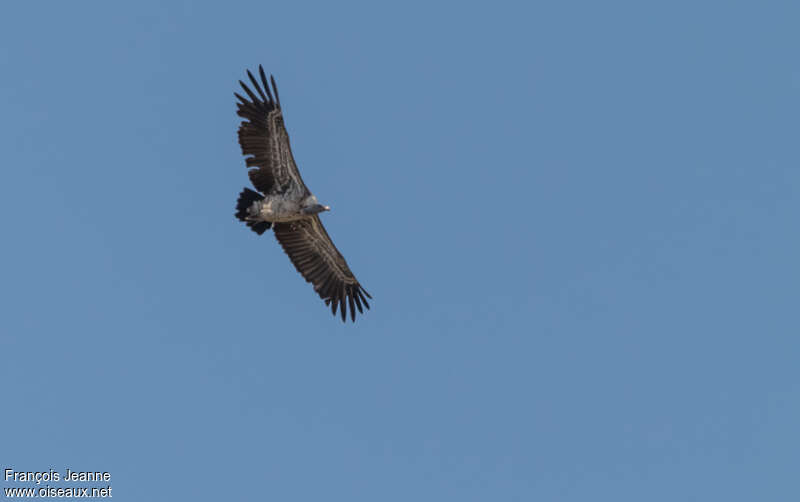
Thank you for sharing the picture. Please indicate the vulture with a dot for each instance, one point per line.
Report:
(282, 201)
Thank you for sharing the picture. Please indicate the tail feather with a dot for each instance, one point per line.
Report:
(245, 202)
(259, 227)
(243, 205)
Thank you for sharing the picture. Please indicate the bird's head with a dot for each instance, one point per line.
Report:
(316, 208)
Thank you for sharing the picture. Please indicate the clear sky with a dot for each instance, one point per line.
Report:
(578, 221)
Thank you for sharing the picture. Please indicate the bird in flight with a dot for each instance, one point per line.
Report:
(285, 204)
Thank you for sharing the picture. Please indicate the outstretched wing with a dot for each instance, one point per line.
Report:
(316, 258)
(264, 140)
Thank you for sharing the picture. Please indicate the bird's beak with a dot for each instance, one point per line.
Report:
(327, 208)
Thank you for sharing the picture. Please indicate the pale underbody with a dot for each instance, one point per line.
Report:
(277, 208)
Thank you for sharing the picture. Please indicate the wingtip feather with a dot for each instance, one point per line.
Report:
(264, 80)
(258, 87)
(275, 88)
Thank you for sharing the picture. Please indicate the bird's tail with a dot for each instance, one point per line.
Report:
(243, 206)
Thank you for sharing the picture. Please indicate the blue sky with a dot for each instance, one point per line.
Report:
(578, 221)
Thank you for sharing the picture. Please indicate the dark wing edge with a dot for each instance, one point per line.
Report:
(263, 136)
(319, 262)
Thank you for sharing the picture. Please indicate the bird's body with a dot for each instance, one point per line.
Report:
(283, 201)
(280, 208)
